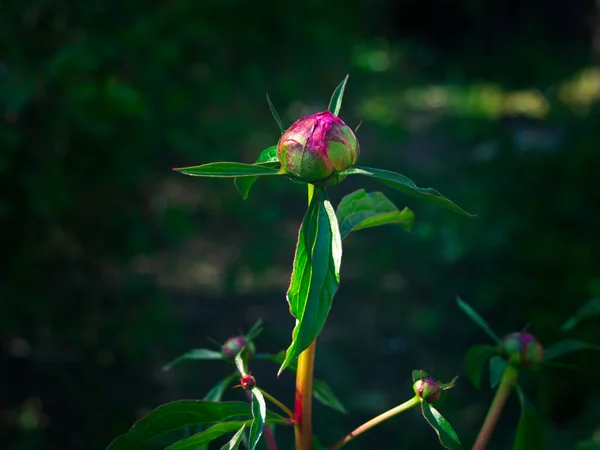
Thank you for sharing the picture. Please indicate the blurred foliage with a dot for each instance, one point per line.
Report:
(113, 264)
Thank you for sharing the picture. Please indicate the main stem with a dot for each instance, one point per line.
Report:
(304, 387)
(376, 421)
(509, 379)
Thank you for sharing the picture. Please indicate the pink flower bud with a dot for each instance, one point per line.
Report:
(317, 148)
(523, 349)
(428, 389)
(233, 346)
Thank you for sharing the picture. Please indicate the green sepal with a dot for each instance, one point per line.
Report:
(335, 104)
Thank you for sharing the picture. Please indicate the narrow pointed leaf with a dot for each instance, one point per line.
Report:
(567, 346)
(530, 432)
(589, 309)
(497, 366)
(322, 392)
(449, 385)
(216, 393)
(475, 317)
(360, 210)
(255, 330)
(476, 359)
(207, 436)
(229, 170)
(275, 115)
(267, 158)
(197, 354)
(335, 104)
(316, 274)
(324, 395)
(259, 414)
(442, 427)
(236, 440)
(159, 428)
(407, 186)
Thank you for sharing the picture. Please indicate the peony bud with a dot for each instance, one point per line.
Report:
(428, 389)
(523, 349)
(233, 346)
(247, 382)
(317, 148)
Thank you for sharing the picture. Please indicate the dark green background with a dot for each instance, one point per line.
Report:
(113, 264)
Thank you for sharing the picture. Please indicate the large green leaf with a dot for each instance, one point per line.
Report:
(475, 317)
(322, 392)
(442, 427)
(567, 346)
(235, 441)
(154, 430)
(208, 435)
(197, 354)
(360, 210)
(407, 186)
(335, 104)
(589, 309)
(316, 274)
(530, 432)
(267, 158)
(229, 170)
(476, 359)
(259, 414)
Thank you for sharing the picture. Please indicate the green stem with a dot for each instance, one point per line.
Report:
(376, 421)
(304, 387)
(280, 405)
(508, 381)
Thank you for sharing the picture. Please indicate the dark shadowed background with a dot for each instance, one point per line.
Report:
(112, 264)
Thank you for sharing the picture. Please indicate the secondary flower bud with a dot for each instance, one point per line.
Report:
(317, 148)
(428, 389)
(233, 346)
(247, 382)
(523, 349)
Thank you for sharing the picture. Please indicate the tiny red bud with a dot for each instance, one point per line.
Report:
(247, 382)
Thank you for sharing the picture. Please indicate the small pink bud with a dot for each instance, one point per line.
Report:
(233, 345)
(428, 389)
(523, 349)
(317, 148)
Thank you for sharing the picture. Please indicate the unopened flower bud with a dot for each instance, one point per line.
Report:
(233, 346)
(247, 382)
(317, 148)
(428, 389)
(523, 349)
